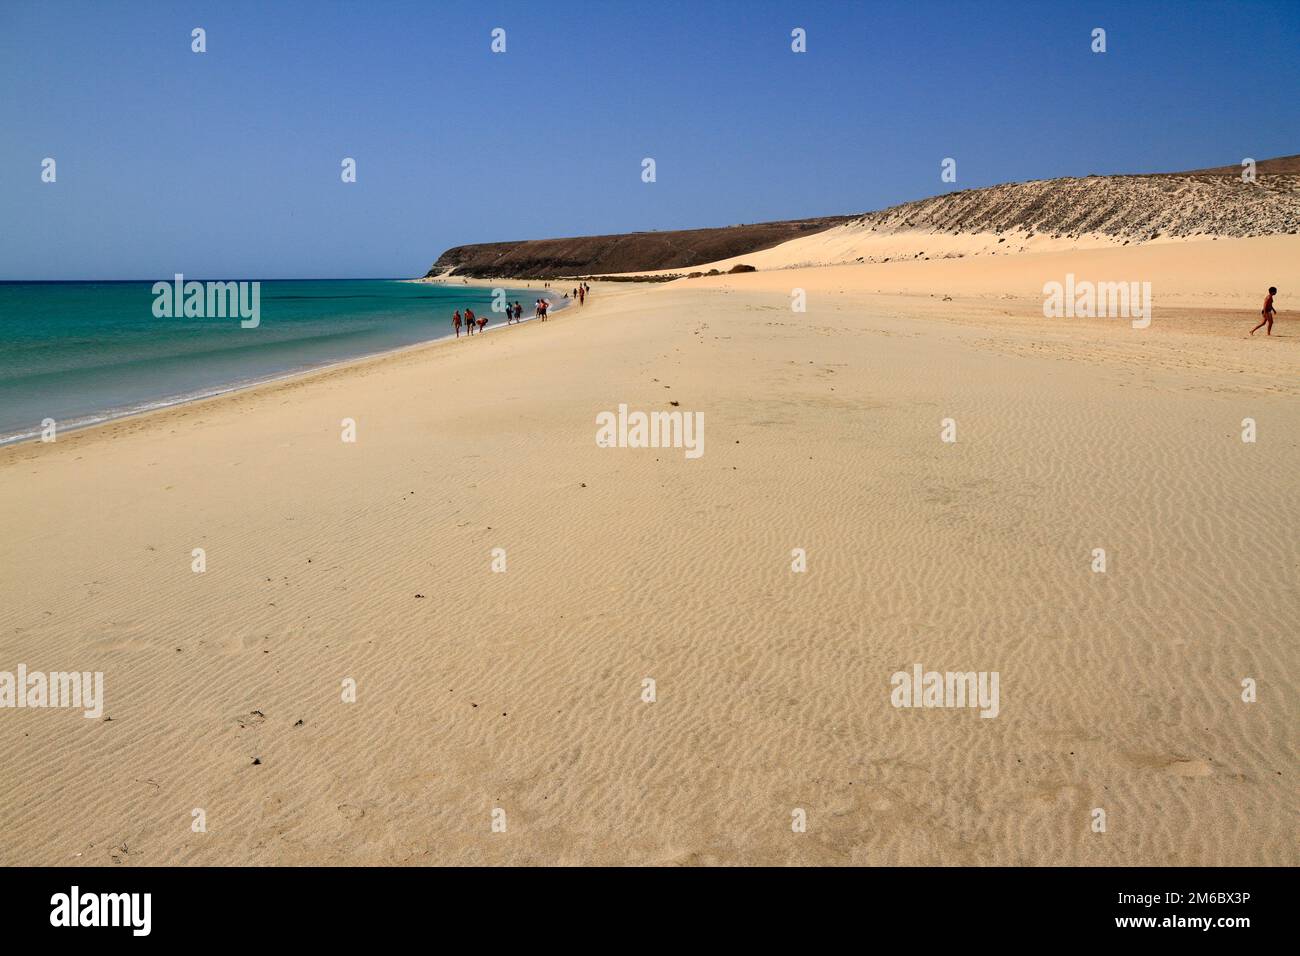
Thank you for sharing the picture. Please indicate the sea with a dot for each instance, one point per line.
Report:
(80, 353)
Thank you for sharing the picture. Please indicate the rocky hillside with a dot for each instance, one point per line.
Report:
(630, 252)
(1210, 202)
(1121, 209)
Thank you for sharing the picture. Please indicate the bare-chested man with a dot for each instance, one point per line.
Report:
(1267, 312)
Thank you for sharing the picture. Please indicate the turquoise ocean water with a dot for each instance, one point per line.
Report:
(84, 352)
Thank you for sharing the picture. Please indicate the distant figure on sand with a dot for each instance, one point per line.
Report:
(469, 321)
(1267, 312)
(482, 322)
(519, 311)
(455, 320)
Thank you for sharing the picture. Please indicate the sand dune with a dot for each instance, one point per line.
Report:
(522, 690)
(1208, 274)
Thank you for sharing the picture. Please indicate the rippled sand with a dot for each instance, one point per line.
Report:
(523, 690)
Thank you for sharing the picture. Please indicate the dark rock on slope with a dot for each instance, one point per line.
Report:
(631, 252)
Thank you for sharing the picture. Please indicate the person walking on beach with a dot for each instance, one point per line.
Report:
(482, 323)
(455, 320)
(469, 321)
(519, 311)
(1267, 312)
(582, 297)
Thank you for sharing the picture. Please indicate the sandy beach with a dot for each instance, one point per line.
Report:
(480, 690)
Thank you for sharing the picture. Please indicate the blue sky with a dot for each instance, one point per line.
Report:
(226, 163)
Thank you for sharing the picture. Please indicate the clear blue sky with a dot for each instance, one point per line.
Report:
(226, 164)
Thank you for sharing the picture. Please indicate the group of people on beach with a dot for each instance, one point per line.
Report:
(470, 321)
(580, 292)
(514, 311)
(478, 323)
